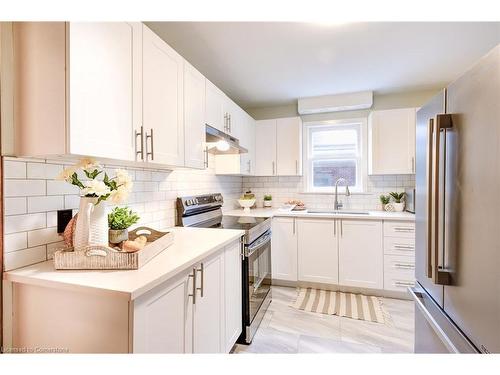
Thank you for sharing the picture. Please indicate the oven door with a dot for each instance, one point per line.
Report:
(257, 281)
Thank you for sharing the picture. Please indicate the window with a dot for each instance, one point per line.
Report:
(334, 150)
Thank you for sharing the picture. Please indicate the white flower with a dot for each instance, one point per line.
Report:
(88, 164)
(96, 187)
(119, 195)
(66, 174)
(124, 180)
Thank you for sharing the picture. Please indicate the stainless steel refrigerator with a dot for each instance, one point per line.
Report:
(457, 203)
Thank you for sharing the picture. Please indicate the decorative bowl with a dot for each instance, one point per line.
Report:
(246, 204)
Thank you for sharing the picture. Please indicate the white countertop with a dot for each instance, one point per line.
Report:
(190, 246)
(372, 215)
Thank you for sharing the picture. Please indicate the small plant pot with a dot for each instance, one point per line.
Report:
(117, 236)
(399, 207)
(268, 203)
(389, 207)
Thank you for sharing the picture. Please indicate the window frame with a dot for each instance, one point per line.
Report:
(362, 159)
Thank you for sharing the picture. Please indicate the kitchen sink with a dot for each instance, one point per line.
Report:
(339, 212)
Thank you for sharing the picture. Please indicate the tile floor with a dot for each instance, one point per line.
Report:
(287, 330)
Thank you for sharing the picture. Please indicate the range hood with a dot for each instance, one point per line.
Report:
(216, 142)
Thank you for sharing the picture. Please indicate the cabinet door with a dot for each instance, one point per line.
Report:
(361, 257)
(232, 295)
(104, 92)
(289, 146)
(392, 141)
(265, 148)
(163, 318)
(208, 327)
(247, 160)
(163, 71)
(214, 106)
(284, 249)
(194, 117)
(317, 251)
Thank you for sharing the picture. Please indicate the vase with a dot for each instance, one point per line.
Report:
(399, 207)
(268, 203)
(389, 207)
(91, 224)
(117, 236)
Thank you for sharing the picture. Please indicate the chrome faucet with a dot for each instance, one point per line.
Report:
(338, 205)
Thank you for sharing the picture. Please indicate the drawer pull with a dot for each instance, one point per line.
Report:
(404, 283)
(403, 229)
(404, 266)
(404, 247)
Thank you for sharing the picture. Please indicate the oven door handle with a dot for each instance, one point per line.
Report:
(265, 239)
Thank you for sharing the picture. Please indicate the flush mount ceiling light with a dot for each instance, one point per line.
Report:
(222, 145)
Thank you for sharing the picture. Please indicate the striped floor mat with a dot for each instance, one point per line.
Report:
(355, 306)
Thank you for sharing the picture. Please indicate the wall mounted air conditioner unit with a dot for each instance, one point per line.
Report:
(335, 103)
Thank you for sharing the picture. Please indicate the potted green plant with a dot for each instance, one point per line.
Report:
(119, 220)
(385, 199)
(268, 200)
(399, 203)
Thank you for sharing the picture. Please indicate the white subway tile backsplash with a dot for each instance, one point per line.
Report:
(43, 236)
(52, 219)
(26, 257)
(46, 203)
(43, 171)
(15, 241)
(60, 187)
(24, 188)
(15, 206)
(71, 201)
(22, 223)
(14, 169)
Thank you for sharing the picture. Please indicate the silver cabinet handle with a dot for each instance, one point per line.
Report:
(151, 138)
(413, 164)
(403, 229)
(205, 162)
(404, 266)
(194, 286)
(404, 247)
(274, 172)
(229, 123)
(249, 168)
(293, 226)
(141, 135)
(334, 228)
(404, 283)
(296, 167)
(341, 228)
(201, 288)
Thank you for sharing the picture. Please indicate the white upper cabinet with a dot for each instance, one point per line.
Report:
(77, 88)
(318, 259)
(163, 110)
(247, 140)
(391, 136)
(284, 245)
(214, 107)
(104, 108)
(361, 256)
(289, 146)
(265, 148)
(194, 117)
(278, 147)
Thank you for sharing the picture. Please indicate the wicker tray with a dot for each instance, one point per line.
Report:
(100, 257)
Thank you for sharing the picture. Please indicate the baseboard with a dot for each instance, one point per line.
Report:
(342, 288)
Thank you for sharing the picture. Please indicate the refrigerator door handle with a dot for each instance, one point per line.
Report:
(440, 275)
(430, 132)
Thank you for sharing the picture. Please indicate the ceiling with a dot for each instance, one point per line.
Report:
(261, 64)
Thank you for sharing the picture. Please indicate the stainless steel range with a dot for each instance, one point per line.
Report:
(205, 211)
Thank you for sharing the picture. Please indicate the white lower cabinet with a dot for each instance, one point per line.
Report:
(317, 251)
(233, 289)
(208, 317)
(284, 249)
(163, 318)
(361, 257)
(198, 311)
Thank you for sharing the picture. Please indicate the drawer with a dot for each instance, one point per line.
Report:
(399, 229)
(399, 272)
(399, 246)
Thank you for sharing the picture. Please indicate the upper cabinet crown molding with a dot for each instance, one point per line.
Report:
(391, 141)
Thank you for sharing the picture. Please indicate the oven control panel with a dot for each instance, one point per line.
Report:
(200, 201)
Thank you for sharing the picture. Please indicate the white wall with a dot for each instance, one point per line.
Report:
(32, 197)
